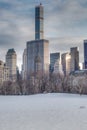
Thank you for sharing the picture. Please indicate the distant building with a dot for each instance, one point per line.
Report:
(24, 67)
(74, 52)
(66, 63)
(4, 72)
(55, 63)
(83, 64)
(38, 50)
(11, 60)
(85, 54)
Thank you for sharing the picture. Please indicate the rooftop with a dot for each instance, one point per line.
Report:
(11, 51)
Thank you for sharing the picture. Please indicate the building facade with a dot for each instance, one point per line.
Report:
(4, 72)
(55, 63)
(24, 67)
(11, 61)
(85, 54)
(66, 63)
(74, 52)
(38, 56)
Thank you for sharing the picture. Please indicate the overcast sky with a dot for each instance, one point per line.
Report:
(65, 25)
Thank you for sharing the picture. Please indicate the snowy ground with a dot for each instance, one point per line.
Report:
(43, 112)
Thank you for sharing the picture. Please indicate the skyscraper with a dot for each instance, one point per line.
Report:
(66, 63)
(38, 58)
(24, 67)
(74, 58)
(11, 60)
(55, 63)
(39, 31)
(85, 54)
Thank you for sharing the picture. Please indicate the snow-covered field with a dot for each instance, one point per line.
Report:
(43, 112)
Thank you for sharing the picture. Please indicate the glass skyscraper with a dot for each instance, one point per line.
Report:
(54, 58)
(39, 22)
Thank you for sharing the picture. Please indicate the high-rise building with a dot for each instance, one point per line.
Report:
(11, 60)
(66, 63)
(24, 67)
(85, 54)
(74, 58)
(55, 63)
(39, 18)
(37, 56)
(38, 50)
(4, 72)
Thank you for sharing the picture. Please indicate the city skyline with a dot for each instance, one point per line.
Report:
(65, 25)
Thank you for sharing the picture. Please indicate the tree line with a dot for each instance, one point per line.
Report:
(52, 83)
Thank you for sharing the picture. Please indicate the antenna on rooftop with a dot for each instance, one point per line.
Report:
(45, 2)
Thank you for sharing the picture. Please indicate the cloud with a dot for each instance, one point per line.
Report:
(66, 18)
(64, 24)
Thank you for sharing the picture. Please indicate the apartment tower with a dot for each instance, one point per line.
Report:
(38, 58)
(11, 61)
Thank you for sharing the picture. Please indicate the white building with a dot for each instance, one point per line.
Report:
(24, 67)
(66, 63)
(11, 61)
(4, 72)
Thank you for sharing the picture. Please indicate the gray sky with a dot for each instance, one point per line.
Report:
(65, 25)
